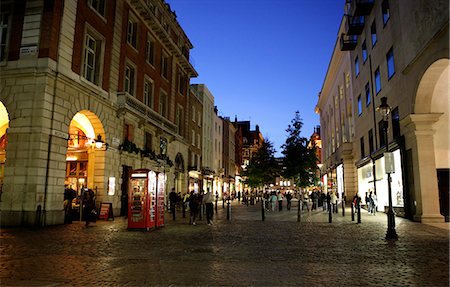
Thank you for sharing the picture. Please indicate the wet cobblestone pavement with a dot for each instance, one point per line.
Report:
(245, 251)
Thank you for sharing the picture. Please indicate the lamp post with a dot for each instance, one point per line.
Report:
(385, 109)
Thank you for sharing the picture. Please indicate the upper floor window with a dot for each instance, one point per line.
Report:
(193, 137)
(4, 24)
(181, 82)
(179, 119)
(199, 118)
(163, 146)
(148, 141)
(364, 51)
(373, 32)
(356, 66)
(163, 104)
(359, 105)
(132, 32)
(129, 79)
(371, 147)
(390, 63)
(128, 132)
(367, 88)
(381, 132)
(164, 65)
(98, 5)
(150, 50)
(361, 144)
(92, 57)
(395, 118)
(377, 81)
(148, 93)
(193, 113)
(385, 11)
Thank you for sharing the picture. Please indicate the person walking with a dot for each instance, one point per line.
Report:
(69, 195)
(280, 200)
(288, 200)
(374, 203)
(193, 207)
(89, 208)
(208, 201)
(173, 201)
(273, 200)
(334, 202)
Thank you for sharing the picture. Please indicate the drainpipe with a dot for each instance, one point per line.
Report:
(374, 125)
(50, 136)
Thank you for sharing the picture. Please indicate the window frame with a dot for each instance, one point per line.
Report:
(390, 59)
(377, 77)
(385, 12)
(132, 31)
(373, 33)
(368, 95)
(130, 88)
(97, 70)
(146, 97)
(97, 7)
(357, 70)
(163, 103)
(5, 30)
(150, 46)
(360, 106)
(364, 51)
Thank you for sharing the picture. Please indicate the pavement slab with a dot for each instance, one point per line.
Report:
(243, 251)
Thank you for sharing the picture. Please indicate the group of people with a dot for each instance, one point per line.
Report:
(88, 208)
(192, 202)
(372, 202)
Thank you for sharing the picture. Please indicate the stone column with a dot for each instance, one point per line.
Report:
(419, 133)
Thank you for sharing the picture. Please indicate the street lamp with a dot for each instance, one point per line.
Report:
(385, 109)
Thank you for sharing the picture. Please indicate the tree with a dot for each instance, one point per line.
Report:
(300, 162)
(262, 168)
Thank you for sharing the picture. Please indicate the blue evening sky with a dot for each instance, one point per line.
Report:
(262, 59)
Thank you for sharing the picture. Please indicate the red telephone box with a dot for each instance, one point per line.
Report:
(146, 199)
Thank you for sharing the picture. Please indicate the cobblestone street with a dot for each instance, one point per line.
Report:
(245, 251)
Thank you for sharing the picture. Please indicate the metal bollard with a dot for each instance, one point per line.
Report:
(343, 207)
(173, 213)
(353, 211)
(263, 216)
(228, 211)
(200, 213)
(184, 210)
(359, 212)
(216, 205)
(330, 218)
(299, 212)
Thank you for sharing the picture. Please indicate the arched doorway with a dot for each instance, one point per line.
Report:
(4, 124)
(85, 155)
(428, 137)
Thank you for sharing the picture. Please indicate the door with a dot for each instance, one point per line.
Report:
(126, 172)
(444, 192)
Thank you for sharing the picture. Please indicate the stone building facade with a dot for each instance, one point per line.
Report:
(90, 90)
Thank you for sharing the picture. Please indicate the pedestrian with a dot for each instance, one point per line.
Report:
(173, 201)
(193, 207)
(374, 203)
(280, 200)
(273, 200)
(208, 201)
(89, 207)
(69, 195)
(288, 200)
(334, 201)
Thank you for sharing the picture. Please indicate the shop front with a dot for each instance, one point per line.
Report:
(379, 186)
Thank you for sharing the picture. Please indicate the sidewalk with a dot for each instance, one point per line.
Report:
(245, 251)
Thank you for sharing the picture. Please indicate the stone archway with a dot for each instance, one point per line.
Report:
(427, 135)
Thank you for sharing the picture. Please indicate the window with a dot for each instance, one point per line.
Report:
(361, 144)
(347, 80)
(359, 105)
(381, 127)
(364, 51)
(193, 114)
(377, 81)
(4, 22)
(390, 63)
(132, 33)
(357, 66)
(373, 32)
(371, 149)
(92, 58)
(367, 94)
(395, 118)
(148, 141)
(385, 11)
(148, 93)
(181, 82)
(128, 132)
(193, 137)
(164, 65)
(98, 5)
(198, 140)
(341, 92)
(130, 73)
(179, 120)
(150, 50)
(163, 104)
(199, 117)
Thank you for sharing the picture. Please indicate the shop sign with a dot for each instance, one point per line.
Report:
(389, 164)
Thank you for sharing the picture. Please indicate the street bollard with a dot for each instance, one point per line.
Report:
(330, 218)
(200, 213)
(184, 210)
(263, 216)
(343, 207)
(353, 211)
(299, 212)
(359, 212)
(216, 205)
(228, 211)
(173, 213)
(223, 202)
